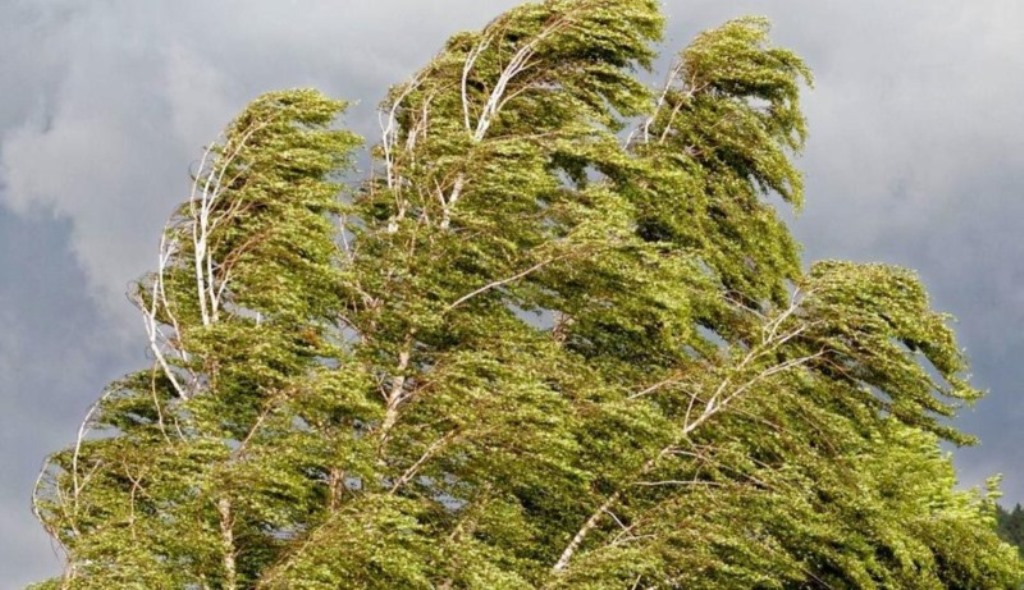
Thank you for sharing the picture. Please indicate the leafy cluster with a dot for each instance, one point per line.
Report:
(559, 338)
(1010, 524)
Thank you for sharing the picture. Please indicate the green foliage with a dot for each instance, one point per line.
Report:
(1010, 524)
(526, 353)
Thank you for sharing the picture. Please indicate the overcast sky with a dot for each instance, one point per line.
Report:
(916, 157)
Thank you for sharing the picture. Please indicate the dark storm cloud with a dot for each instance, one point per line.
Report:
(915, 158)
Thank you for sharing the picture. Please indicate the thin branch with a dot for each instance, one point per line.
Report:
(500, 283)
(83, 431)
(676, 482)
(466, 69)
(227, 538)
(519, 63)
(389, 131)
(581, 535)
(657, 386)
(396, 396)
(428, 454)
(154, 336)
(673, 73)
(721, 399)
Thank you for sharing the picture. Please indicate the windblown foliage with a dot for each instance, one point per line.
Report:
(560, 338)
(1010, 524)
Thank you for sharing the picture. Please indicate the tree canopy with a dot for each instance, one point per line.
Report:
(1010, 524)
(559, 337)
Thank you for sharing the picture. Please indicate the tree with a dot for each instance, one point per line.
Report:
(1011, 525)
(558, 339)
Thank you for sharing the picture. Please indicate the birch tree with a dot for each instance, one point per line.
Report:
(558, 337)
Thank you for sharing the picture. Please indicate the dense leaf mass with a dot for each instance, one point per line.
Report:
(1010, 524)
(559, 338)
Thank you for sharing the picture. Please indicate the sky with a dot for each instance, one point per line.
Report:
(916, 157)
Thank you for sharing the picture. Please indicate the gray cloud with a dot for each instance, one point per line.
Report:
(103, 135)
(915, 158)
(56, 354)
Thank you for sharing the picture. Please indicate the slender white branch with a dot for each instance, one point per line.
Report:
(227, 538)
(581, 535)
(389, 131)
(447, 205)
(198, 243)
(396, 395)
(500, 283)
(724, 395)
(202, 204)
(429, 453)
(168, 248)
(154, 336)
(466, 69)
(673, 74)
(77, 481)
(657, 386)
(518, 64)
(678, 482)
